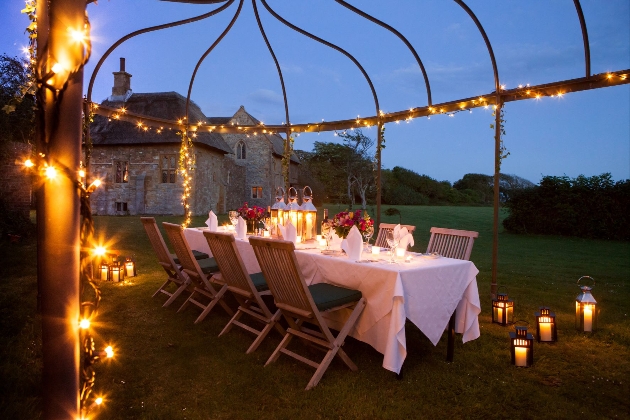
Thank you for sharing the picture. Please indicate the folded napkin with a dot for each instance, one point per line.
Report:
(290, 232)
(397, 231)
(283, 230)
(405, 241)
(212, 222)
(334, 239)
(241, 228)
(402, 233)
(354, 244)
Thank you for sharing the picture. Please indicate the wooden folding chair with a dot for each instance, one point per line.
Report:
(383, 228)
(174, 275)
(200, 279)
(452, 243)
(248, 289)
(303, 303)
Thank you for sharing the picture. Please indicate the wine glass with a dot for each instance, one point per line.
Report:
(392, 241)
(327, 231)
(367, 234)
(233, 215)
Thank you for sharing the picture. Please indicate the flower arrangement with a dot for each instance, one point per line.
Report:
(343, 222)
(254, 213)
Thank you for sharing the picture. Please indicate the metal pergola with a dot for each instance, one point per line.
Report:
(61, 107)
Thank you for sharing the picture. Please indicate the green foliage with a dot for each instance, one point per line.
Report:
(588, 207)
(17, 101)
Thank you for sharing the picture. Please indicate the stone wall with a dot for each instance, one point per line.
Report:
(16, 185)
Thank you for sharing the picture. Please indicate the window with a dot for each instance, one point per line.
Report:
(121, 206)
(257, 192)
(240, 150)
(168, 166)
(122, 171)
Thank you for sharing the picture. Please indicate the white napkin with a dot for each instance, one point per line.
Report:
(212, 222)
(406, 240)
(397, 231)
(354, 244)
(290, 232)
(283, 230)
(241, 228)
(402, 233)
(334, 239)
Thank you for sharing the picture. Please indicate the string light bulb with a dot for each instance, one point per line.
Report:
(29, 163)
(84, 324)
(51, 172)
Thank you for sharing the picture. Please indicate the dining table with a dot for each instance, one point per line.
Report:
(424, 289)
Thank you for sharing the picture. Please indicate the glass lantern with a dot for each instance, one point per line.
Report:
(277, 211)
(586, 308)
(309, 213)
(130, 267)
(521, 347)
(293, 212)
(546, 326)
(502, 309)
(104, 271)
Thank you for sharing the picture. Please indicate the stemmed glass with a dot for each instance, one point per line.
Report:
(392, 241)
(327, 231)
(233, 215)
(367, 234)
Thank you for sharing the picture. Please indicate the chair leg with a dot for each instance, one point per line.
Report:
(273, 322)
(161, 287)
(276, 353)
(229, 325)
(323, 365)
(175, 295)
(216, 299)
(450, 349)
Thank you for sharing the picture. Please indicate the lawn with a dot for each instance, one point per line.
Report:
(167, 368)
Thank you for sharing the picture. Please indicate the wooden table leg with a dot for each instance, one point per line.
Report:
(450, 350)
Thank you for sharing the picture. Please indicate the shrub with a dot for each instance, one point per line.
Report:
(588, 207)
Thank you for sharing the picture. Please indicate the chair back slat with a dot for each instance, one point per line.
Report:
(280, 267)
(186, 258)
(233, 271)
(157, 241)
(383, 228)
(452, 243)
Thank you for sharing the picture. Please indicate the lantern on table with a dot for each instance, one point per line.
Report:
(309, 213)
(293, 212)
(277, 210)
(521, 347)
(546, 326)
(502, 309)
(586, 308)
(130, 267)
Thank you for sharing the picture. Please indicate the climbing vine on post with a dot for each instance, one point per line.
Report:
(503, 152)
(186, 168)
(286, 162)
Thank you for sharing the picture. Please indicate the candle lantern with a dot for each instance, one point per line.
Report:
(586, 308)
(117, 270)
(130, 267)
(277, 210)
(294, 214)
(521, 347)
(309, 227)
(502, 309)
(104, 270)
(546, 326)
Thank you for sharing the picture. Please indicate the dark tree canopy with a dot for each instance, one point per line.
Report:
(17, 104)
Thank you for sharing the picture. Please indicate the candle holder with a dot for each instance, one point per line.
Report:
(130, 267)
(521, 346)
(586, 308)
(546, 331)
(502, 309)
(309, 215)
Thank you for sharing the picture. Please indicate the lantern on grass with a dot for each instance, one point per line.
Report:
(130, 267)
(116, 271)
(521, 347)
(104, 270)
(546, 326)
(309, 214)
(586, 308)
(502, 309)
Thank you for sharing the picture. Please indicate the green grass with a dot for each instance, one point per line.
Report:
(168, 368)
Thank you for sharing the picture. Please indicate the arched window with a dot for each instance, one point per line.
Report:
(240, 150)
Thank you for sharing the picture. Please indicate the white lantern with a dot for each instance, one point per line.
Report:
(309, 224)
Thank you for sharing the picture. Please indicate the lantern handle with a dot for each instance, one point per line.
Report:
(280, 190)
(522, 321)
(587, 277)
(304, 191)
(502, 287)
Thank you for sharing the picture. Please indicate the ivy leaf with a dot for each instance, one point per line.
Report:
(28, 9)
(8, 108)
(32, 27)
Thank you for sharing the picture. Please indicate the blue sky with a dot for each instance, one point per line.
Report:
(536, 41)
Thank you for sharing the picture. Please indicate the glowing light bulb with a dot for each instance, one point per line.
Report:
(29, 163)
(56, 68)
(99, 250)
(84, 324)
(78, 36)
(109, 351)
(81, 173)
(99, 401)
(51, 172)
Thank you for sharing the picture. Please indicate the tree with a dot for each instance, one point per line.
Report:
(17, 101)
(359, 164)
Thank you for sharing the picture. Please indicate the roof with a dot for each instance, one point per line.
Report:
(165, 105)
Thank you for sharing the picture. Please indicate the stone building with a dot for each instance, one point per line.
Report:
(138, 168)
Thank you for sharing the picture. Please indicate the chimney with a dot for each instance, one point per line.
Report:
(122, 83)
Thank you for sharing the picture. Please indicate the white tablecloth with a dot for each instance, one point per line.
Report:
(426, 291)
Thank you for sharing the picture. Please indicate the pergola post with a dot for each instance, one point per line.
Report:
(497, 175)
(379, 141)
(60, 142)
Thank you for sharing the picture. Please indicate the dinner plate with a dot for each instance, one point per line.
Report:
(431, 255)
(332, 252)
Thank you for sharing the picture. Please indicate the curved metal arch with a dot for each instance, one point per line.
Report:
(203, 57)
(587, 48)
(328, 44)
(275, 60)
(487, 41)
(402, 38)
(146, 30)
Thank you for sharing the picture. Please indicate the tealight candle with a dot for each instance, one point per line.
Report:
(322, 243)
(266, 233)
(318, 238)
(298, 239)
(400, 252)
(520, 354)
(376, 250)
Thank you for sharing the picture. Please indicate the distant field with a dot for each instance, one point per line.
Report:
(168, 368)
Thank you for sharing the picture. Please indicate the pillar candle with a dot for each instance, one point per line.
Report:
(376, 250)
(520, 354)
(545, 331)
(588, 318)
